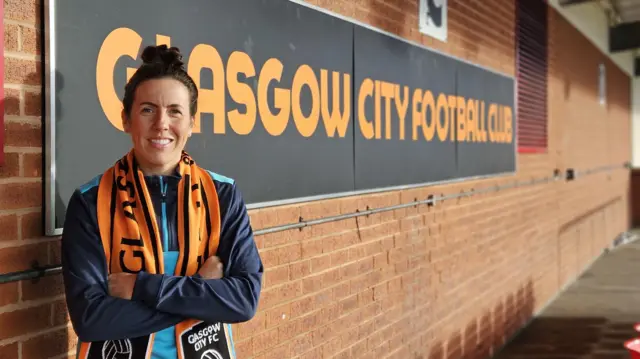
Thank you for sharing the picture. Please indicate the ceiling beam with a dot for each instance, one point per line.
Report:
(573, 2)
(625, 36)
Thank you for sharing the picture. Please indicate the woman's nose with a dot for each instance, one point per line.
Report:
(161, 120)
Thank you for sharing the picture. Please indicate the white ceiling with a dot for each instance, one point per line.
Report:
(629, 10)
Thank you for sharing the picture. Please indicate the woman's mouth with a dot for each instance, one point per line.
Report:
(160, 143)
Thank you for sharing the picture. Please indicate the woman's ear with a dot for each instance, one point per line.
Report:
(126, 124)
(191, 124)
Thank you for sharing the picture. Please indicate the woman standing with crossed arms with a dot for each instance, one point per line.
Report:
(158, 254)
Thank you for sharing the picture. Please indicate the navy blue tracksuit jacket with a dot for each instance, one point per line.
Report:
(159, 300)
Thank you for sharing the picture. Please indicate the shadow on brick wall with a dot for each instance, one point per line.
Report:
(509, 331)
(484, 335)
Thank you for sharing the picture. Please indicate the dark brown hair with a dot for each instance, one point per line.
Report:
(160, 62)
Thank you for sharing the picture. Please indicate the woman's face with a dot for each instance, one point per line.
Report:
(159, 125)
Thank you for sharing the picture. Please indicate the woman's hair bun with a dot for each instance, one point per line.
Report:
(163, 55)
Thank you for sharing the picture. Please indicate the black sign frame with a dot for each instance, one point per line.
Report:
(355, 175)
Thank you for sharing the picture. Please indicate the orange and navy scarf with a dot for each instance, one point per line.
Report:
(131, 240)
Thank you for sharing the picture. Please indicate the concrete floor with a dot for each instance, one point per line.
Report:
(592, 318)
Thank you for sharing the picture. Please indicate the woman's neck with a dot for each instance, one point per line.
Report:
(158, 171)
(155, 170)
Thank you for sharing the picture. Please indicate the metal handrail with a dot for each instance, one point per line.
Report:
(570, 175)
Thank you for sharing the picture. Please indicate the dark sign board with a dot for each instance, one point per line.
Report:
(295, 104)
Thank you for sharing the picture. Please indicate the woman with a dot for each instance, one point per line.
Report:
(158, 254)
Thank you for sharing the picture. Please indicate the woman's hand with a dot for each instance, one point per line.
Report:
(211, 269)
(121, 285)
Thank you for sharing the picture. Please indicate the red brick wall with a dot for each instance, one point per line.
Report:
(399, 282)
(32, 316)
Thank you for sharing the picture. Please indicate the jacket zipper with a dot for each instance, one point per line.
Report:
(165, 231)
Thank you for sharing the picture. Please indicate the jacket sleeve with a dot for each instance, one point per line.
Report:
(231, 299)
(94, 314)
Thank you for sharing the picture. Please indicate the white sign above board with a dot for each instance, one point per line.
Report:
(433, 18)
